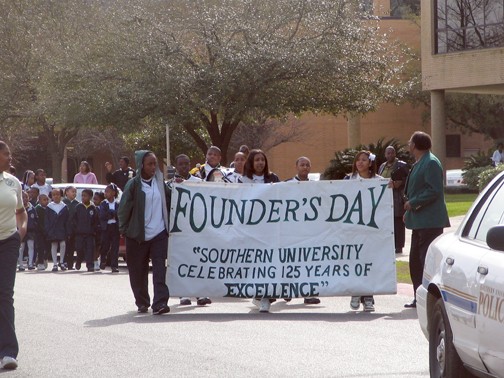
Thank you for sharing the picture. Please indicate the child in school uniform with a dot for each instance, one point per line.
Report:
(85, 222)
(29, 239)
(42, 246)
(57, 227)
(98, 198)
(109, 225)
(71, 202)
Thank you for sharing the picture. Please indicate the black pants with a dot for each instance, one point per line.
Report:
(138, 255)
(70, 249)
(420, 241)
(399, 232)
(85, 245)
(9, 252)
(42, 247)
(110, 245)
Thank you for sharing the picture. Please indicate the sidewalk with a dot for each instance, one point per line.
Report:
(454, 221)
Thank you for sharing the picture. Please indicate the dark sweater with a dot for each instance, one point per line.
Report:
(105, 214)
(85, 220)
(57, 224)
(32, 223)
(41, 213)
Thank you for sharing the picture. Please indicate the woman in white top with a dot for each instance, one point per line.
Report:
(256, 170)
(364, 167)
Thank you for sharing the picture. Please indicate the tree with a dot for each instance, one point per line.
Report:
(474, 113)
(36, 36)
(217, 64)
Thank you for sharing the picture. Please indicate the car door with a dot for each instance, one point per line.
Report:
(490, 278)
(490, 317)
(490, 270)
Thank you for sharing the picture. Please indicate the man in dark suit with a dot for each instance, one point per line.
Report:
(397, 171)
(426, 213)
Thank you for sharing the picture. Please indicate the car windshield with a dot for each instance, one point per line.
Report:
(490, 214)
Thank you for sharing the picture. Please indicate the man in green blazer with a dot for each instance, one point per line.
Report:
(426, 213)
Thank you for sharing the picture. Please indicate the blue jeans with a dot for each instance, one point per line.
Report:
(138, 255)
(9, 250)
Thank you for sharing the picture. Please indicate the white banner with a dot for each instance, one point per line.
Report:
(284, 240)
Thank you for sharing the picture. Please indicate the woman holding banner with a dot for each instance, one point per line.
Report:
(256, 171)
(364, 167)
(143, 219)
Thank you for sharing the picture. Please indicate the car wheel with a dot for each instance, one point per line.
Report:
(443, 358)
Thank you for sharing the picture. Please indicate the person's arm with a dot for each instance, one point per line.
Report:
(126, 206)
(93, 179)
(21, 222)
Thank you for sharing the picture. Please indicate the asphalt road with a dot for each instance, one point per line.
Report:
(85, 325)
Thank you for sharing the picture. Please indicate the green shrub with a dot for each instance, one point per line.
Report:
(481, 159)
(472, 177)
(341, 165)
(488, 175)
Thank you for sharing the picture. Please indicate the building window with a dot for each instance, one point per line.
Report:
(468, 24)
(453, 146)
(404, 8)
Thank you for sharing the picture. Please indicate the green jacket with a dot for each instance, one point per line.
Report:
(425, 192)
(131, 208)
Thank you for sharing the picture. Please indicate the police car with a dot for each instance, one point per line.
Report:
(461, 301)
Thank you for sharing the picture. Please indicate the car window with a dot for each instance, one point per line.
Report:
(489, 214)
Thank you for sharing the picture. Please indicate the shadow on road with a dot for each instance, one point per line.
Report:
(280, 312)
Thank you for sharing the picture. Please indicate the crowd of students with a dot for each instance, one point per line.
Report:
(59, 223)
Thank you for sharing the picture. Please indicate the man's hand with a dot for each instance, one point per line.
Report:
(108, 166)
(407, 206)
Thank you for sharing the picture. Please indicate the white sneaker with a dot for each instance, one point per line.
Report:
(96, 265)
(355, 303)
(264, 305)
(9, 363)
(41, 267)
(369, 304)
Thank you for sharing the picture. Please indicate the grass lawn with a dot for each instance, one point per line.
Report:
(459, 204)
(402, 268)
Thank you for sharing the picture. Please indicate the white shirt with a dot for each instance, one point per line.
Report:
(153, 213)
(43, 189)
(255, 179)
(10, 201)
(498, 157)
(111, 206)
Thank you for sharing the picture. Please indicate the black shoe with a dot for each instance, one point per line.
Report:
(311, 301)
(411, 304)
(185, 302)
(103, 266)
(287, 299)
(115, 270)
(203, 301)
(398, 250)
(143, 309)
(161, 310)
(90, 269)
(77, 266)
(63, 267)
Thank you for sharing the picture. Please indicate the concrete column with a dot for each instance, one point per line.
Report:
(438, 125)
(354, 130)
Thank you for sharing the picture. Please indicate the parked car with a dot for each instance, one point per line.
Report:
(461, 301)
(95, 188)
(454, 178)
